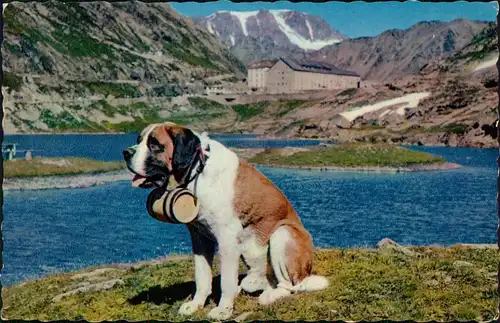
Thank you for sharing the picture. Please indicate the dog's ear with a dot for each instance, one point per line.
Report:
(185, 148)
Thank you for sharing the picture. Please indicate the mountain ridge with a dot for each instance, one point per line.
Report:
(279, 30)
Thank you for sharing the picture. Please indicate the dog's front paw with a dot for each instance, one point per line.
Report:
(220, 313)
(189, 308)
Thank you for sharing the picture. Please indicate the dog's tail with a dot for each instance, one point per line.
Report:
(311, 283)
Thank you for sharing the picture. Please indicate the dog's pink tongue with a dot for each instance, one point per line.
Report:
(138, 180)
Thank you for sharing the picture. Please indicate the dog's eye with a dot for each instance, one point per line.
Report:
(155, 145)
(156, 148)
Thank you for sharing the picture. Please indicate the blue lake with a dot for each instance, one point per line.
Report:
(58, 230)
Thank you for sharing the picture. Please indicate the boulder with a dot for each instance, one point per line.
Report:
(388, 244)
(90, 288)
(341, 122)
(460, 263)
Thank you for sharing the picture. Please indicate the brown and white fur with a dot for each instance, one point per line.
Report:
(242, 212)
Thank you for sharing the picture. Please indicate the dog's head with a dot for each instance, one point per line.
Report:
(162, 150)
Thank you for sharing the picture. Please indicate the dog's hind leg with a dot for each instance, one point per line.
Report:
(204, 250)
(254, 255)
(290, 251)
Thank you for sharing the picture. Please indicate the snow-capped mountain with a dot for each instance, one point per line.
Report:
(269, 33)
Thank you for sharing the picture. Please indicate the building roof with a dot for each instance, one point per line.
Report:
(262, 64)
(315, 67)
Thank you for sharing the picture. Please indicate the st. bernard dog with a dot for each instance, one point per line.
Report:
(241, 212)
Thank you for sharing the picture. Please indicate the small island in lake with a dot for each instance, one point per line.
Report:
(70, 172)
(57, 167)
(351, 156)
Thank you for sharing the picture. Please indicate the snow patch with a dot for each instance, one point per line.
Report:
(410, 101)
(243, 17)
(297, 39)
(232, 40)
(310, 30)
(209, 27)
(280, 11)
(4, 5)
(486, 64)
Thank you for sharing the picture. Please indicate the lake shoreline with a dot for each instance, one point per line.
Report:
(64, 181)
(90, 180)
(374, 169)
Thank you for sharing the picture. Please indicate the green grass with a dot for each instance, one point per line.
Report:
(288, 106)
(57, 166)
(178, 52)
(118, 90)
(205, 104)
(128, 126)
(458, 129)
(65, 121)
(364, 284)
(105, 107)
(348, 155)
(78, 44)
(248, 111)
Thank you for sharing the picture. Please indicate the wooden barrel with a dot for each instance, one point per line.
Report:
(172, 206)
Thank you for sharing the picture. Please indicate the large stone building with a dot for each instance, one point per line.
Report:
(257, 73)
(287, 75)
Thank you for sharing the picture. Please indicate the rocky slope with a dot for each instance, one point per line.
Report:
(396, 53)
(269, 33)
(445, 104)
(65, 61)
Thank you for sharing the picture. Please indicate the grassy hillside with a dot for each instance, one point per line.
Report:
(422, 284)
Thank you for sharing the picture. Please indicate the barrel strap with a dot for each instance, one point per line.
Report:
(202, 158)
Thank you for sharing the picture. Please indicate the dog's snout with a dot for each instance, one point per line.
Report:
(127, 153)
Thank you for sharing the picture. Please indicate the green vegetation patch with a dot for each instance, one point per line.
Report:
(205, 104)
(248, 111)
(458, 129)
(12, 81)
(287, 106)
(118, 90)
(128, 126)
(177, 51)
(348, 155)
(13, 49)
(105, 107)
(12, 23)
(65, 121)
(364, 285)
(57, 166)
(79, 44)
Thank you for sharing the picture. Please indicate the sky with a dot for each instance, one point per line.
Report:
(358, 19)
